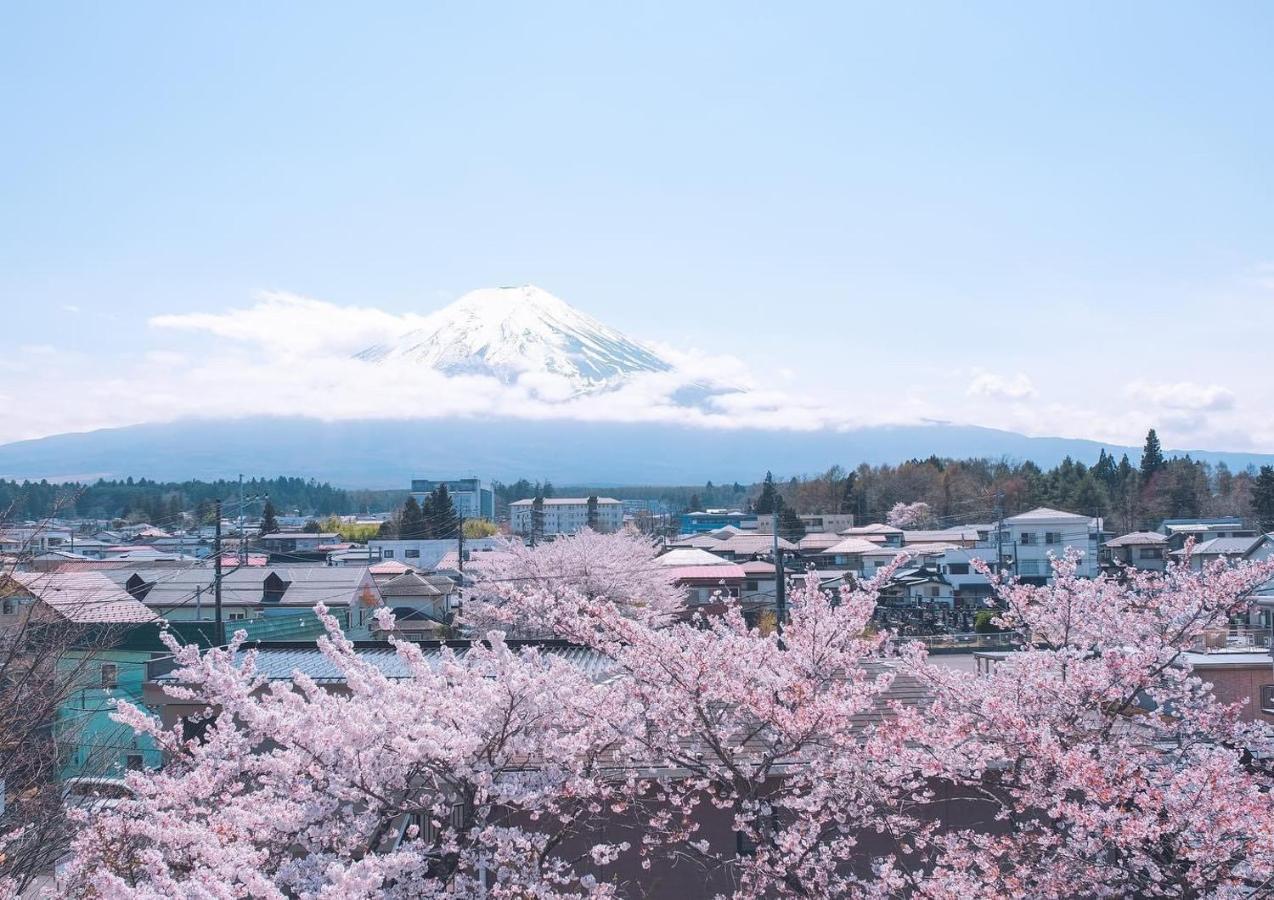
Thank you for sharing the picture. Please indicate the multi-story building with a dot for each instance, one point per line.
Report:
(713, 519)
(566, 515)
(472, 497)
(1028, 539)
(815, 523)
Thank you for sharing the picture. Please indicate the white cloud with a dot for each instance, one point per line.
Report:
(1183, 395)
(294, 326)
(1001, 387)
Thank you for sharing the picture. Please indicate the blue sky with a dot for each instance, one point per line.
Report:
(1055, 218)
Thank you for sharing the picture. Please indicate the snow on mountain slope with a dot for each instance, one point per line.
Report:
(503, 332)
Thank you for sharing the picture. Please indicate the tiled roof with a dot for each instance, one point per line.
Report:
(690, 556)
(1223, 547)
(1137, 538)
(753, 543)
(1047, 514)
(729, 572)
(854, 545)
(84, 597)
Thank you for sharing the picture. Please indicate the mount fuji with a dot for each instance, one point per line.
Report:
(507, 331)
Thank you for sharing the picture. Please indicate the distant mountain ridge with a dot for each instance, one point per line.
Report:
(388, 453)
(505, 332)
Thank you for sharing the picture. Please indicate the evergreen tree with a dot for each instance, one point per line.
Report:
(439, 515)
(1263, 499)
(791, 528)
(269, 519)
(770, 500)
(696, 505)
(411, 522)
(537, 519)
(1151, 457)
(593, 521)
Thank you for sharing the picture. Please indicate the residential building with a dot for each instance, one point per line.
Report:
(473, 498)
(1203, 529)
(712, 519)
(1029, 538)
(298, 542)
(426, 554)
(254, 592)
(566, 515)
(887, 535)
(815, 523)
(1145, 550)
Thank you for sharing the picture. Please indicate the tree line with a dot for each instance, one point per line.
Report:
(145, 500)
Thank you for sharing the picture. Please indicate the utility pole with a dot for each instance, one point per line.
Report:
(999, 532)
(243, 545)
(459, 561)
(216, 570)
(780, 585)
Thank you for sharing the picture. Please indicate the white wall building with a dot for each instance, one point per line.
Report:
(1030, 537)
(566, 515)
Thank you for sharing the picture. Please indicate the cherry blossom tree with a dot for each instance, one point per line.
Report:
(536, 590)
(821, 761)
(1112, 768)
(467, 774)
(909, 515)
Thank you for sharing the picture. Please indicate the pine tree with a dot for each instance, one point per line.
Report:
(791, 528)
(593, 521)
(537, 519)
(1151, 457)
(269, 519)
(411, 522)
(439, 515)
(1263, 499)
(770, 500)
(696, 505)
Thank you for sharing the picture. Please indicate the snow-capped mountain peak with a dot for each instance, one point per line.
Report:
(503, 332)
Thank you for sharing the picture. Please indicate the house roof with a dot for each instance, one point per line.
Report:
(1224, 546)
(819, 541)
(84, 597)
(874, 528)
(728, 572)
(753, 543)
(757, 567)
(1137, 538)
(409, 584)
(855, 545)
(303, 585)
(1047, 514)
(939, 536)
(389, 567)
(690, 556)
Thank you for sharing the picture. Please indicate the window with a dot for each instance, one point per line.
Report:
(750, 585)
(1267, 698)
(8, 606)
(1150, 553)
(1052, 537)
(932, 591)
(1029, 567)
(1028, 537)
(387, 554)
(110, 675)
(958, 569)
(412, 554)
(235, 616)
(133, 762)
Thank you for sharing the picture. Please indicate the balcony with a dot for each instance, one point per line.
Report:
(1233, 640)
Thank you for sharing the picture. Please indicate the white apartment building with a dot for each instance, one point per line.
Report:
(566, 515)
(1030, 537)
